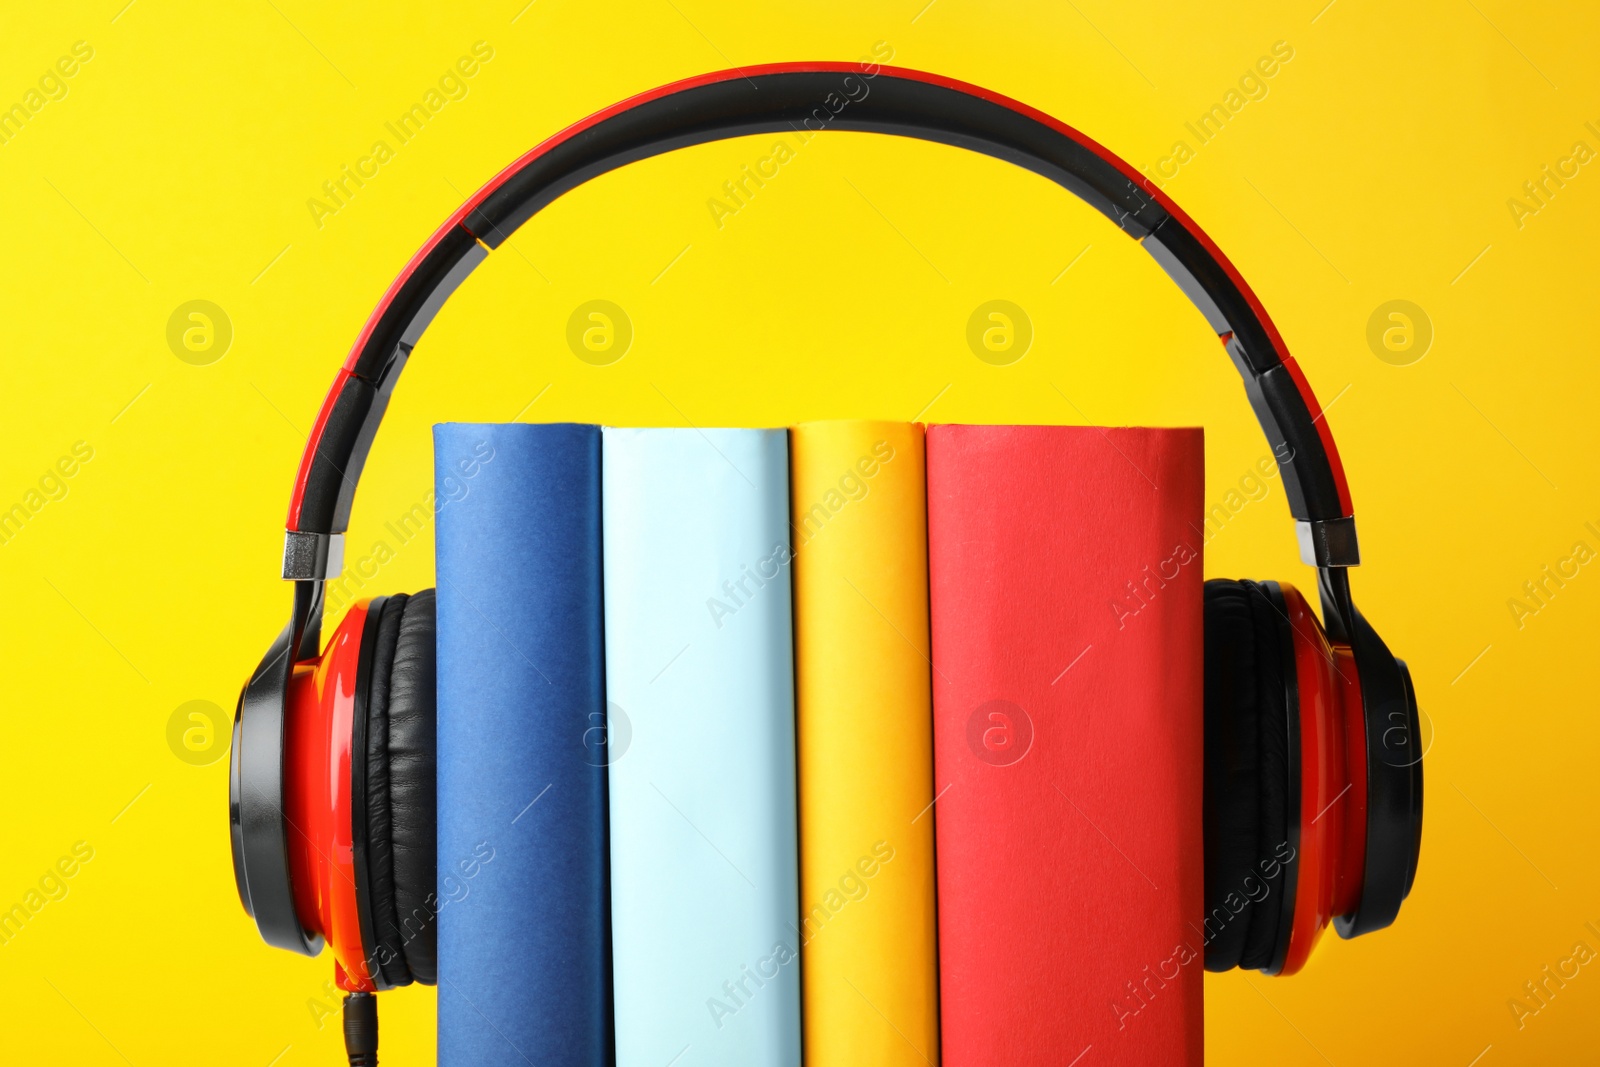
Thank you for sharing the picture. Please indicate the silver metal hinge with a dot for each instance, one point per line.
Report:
(1328, 542)
(312, 556)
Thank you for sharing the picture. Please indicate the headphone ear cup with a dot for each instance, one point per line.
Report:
(400, 794)
(1249, 776)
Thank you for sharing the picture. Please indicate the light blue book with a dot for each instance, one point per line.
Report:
(700, 683)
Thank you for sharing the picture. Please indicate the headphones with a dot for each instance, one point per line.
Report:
(1313, 774)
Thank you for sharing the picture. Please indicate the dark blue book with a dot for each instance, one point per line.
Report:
(524, 973)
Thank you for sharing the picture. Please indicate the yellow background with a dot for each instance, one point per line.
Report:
(178, 167)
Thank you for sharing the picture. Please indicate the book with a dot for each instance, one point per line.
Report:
(1065, 590)
(865, 728)
(522, 901)
(700, 681)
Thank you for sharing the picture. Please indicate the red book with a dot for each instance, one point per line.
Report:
(1065, 587)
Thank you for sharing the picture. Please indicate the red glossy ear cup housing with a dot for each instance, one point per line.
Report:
(1285, 787)
(1333, 780)
(318, 733)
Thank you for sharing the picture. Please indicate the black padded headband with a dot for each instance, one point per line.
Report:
(818, 96)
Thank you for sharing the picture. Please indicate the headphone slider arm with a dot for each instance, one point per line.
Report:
(1328, 542)
(309, 556)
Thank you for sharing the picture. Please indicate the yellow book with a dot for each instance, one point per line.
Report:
(865, 732)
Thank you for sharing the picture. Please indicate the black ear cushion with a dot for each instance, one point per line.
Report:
(1247, 774)
(1278, 778)
(1231, 801)
(400, 791)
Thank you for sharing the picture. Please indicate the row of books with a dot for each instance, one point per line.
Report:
(856, 738)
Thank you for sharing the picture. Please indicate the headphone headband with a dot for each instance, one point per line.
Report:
(818, 96)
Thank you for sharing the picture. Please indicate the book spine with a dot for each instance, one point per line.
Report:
(865, 732)
(523, 952)
(1065, 587)
(700, 678)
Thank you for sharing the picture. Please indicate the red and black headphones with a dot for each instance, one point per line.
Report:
(1313, 776)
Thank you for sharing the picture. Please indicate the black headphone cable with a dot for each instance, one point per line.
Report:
(361, 1029)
